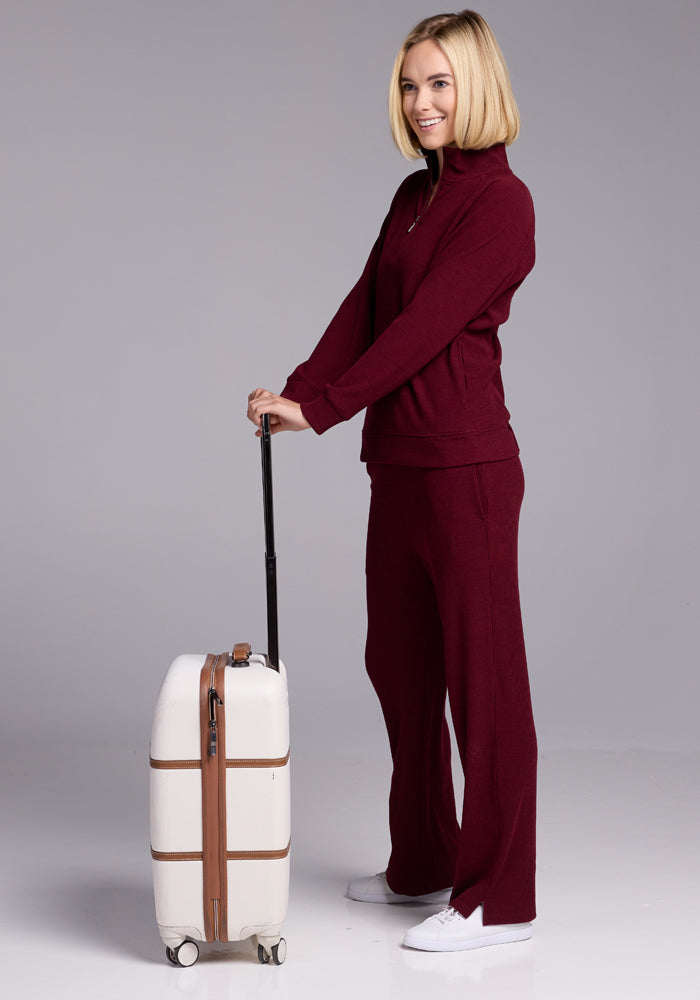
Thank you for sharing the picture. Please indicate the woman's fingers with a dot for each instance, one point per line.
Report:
(285, 415)
(254, 397)
(258, 394)
(275, 426)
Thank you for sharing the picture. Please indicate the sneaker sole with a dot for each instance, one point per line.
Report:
(442, 896)
(502, 937)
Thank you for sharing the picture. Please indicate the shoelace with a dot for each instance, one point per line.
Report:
(448, 915)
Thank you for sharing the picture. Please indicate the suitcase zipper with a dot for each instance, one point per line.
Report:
(221, 904)
(214, 700)
(214, 799)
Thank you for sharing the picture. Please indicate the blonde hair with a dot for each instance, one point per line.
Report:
(486, 111)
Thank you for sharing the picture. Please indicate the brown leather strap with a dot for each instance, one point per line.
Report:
(230, 855)
(175, 765)
(258, 855)
(241, 652)
(220, 685)
(210, 806)
(195, 765)
(243, 762)
(176, 855)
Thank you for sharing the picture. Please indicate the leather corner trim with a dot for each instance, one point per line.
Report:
(257, 761)
(196, 765)
(230, 855)
(176, 855)
(258, 855)
(175, 765)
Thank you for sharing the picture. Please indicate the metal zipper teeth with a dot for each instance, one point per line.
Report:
(427, 203)
(212, 672)
(213, 701)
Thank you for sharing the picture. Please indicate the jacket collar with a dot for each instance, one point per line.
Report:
(459, 164)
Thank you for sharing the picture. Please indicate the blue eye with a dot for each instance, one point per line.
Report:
(406, 87)
(441, 83)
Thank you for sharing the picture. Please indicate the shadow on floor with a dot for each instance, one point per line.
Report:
(114, 915)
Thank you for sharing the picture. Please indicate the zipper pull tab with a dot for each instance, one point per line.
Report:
(413, 224)
(214, 700)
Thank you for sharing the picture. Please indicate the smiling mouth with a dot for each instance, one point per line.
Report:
(426, 123)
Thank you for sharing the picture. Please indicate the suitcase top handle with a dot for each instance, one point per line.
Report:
(241, 652)
(270, 556)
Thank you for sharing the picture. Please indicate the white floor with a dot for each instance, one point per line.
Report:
(618, 882)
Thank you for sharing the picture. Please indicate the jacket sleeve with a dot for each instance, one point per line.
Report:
(487, 254)
(348, 335)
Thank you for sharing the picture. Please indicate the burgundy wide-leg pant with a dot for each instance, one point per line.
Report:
(444, 616)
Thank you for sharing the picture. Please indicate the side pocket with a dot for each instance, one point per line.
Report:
(480, 484)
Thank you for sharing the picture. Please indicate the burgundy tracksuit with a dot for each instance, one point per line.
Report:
(416, 343)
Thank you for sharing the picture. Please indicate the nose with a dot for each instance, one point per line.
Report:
(423, 101)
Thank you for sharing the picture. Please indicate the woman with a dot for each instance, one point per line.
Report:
(416, 343)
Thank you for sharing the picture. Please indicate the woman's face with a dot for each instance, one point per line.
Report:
(429, 94)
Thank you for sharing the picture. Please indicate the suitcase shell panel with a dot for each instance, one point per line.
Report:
(179, 905)
(257, 711)
(175, 733)
(258, 894)
(175, 829)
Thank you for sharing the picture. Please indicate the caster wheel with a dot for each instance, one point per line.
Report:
(279, 952)
(170, 954)
(187, 954)
(263, 956)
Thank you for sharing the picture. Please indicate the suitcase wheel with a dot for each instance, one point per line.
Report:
(184, 955)
(278, 953)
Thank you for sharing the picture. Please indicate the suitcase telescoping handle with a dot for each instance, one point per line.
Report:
(270, 556)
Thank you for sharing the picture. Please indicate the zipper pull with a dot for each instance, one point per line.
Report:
(214, 700)
(413, 224)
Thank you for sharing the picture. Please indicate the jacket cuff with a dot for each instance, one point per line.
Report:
(299, 390)
(321, 414)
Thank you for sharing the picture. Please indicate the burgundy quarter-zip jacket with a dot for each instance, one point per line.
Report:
(416, 340)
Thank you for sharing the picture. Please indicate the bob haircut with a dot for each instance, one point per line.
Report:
(486, 111)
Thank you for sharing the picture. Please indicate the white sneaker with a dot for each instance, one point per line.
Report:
(375, 889)
(450, 931)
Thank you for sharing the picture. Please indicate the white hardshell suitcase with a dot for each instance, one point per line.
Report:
(219, 791)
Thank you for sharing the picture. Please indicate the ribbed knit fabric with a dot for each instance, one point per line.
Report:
(416, 343)
(444, 615)
(416, 340)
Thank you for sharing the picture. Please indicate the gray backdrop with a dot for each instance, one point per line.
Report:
(190, 188)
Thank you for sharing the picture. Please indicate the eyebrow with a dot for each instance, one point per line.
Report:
(435, 76)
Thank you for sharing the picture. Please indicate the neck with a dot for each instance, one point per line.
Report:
(434, 161)
(440, 160)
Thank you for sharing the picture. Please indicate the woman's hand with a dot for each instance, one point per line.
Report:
(285, 414)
